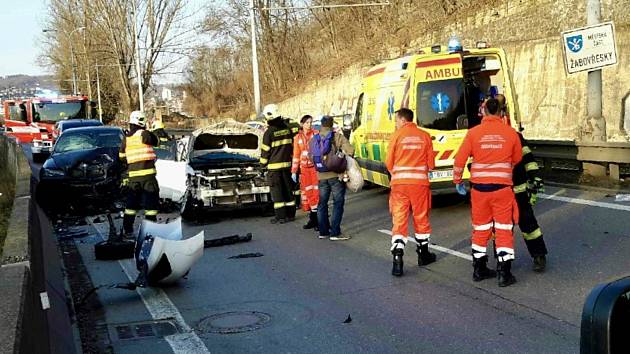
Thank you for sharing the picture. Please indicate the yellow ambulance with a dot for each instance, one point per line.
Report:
(444, 86)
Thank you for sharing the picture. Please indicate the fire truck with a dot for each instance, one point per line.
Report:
(444, 86)
(32, 120)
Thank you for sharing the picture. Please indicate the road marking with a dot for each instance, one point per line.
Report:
(161, 307)
(585, 202)
(435, 247)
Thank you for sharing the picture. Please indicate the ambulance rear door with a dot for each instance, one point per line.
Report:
(440, 108)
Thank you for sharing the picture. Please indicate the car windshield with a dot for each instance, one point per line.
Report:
(53, 111)
(75, 141)
(440, 103)
(217, 142)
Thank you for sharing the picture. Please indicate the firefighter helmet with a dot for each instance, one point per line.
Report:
(138, 118)
(157, 124)
(271, 111)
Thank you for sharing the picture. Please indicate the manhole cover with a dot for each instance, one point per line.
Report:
(234, 322)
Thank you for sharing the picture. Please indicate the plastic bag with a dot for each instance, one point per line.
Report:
(355, 177)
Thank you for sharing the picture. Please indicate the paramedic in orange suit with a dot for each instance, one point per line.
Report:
(410, 157)
(495, 148)
(309, 190)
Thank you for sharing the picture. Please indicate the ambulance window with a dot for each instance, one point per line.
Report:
(440, 103)
(358, 114)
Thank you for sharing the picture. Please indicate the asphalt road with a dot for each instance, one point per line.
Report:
(297, 295)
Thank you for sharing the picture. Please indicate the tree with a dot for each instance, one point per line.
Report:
(164, 34)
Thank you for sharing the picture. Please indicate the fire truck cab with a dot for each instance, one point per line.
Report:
(33, 120)
(444, 86)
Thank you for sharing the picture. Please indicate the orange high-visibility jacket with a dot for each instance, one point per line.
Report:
(410, 155)
(300, 150)
(495, 148)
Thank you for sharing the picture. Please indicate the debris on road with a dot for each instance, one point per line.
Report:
(228, 240)
(622, 198)
(247, 255)
(348, 320)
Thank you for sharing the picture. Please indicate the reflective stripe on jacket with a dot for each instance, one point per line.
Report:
(300, 151)
(495, 148)
(140, 155)
(277, 146)
(410, 155)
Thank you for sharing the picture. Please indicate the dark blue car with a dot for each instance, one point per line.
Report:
(66, 124)
(84, 166)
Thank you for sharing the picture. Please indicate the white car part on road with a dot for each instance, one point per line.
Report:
(168, 256)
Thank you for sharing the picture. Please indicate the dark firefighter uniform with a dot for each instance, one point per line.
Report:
(527, 184)
(143, 190)
(277, 155)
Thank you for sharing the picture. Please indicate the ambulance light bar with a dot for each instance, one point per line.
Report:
(482, 44)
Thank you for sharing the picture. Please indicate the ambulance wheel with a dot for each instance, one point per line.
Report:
(109, 251)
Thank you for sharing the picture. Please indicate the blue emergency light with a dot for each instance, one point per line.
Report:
(454, 44)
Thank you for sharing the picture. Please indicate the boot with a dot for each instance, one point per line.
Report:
(505, 275)
(397, 269)
(481, 270)
(312, 221)
(424, 256)
(540, 263)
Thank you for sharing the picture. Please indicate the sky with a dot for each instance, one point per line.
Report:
(21, 26)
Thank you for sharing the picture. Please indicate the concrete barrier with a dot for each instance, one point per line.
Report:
(34, 310)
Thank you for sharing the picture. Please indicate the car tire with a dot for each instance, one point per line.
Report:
(110, 251)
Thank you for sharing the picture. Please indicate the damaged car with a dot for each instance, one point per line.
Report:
(83, 170)
(219, 169)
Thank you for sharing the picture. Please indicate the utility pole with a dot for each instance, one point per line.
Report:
(137, 40)
(594, 84)
(254, 59)
(98, 94)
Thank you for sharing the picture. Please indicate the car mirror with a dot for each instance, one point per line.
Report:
(606, 319)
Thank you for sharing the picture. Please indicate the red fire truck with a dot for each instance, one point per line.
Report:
(32, 120)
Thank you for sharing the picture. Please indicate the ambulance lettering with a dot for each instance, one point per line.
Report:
(444, 73)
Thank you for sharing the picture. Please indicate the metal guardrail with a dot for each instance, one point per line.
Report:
(605, 153)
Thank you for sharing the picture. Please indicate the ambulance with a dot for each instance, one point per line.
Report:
(444, 86)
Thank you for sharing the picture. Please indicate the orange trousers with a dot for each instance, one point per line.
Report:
(493, 211)
(309, 190)
(404, 198)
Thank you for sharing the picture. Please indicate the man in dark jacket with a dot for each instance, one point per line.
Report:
(277, 154)
(527, 184)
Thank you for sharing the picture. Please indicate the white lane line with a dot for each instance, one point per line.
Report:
(161, 307)
(585, 202)
(435, 247)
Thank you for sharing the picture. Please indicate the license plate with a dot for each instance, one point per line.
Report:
(440, 174)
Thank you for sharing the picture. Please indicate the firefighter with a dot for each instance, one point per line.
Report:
(409, 159)
(276, 154)
(495, 149)
(309, 189)
(527, 185)
(158, 130)
(142, 186)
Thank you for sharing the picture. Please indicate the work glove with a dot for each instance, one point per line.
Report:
(538, 185)
(533, 198)
(294, 177)
(461, 189)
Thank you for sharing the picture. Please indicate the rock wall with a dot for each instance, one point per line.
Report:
(552, 103)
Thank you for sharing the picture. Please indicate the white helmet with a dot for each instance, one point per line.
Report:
(270, 111)
(138, 118)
